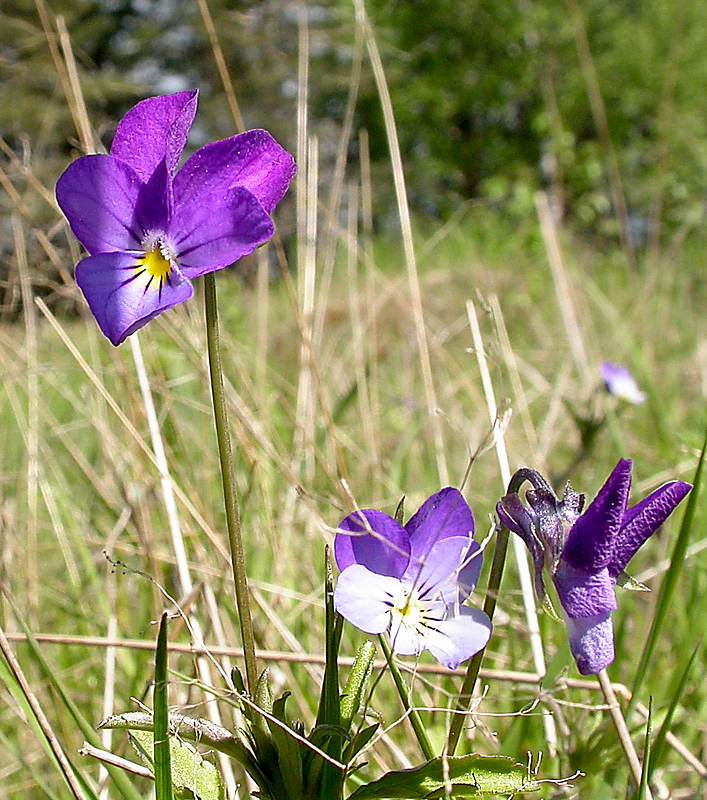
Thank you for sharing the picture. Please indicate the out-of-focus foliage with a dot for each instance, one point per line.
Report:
(492, 99)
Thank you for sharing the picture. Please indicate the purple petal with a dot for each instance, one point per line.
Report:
(252, 160)
(592, 642)
(459, 637)
(643, 520)
(405, 640)
(211, 232)
(365, 599)
(380, 543)
(436, 574)
(120, 298)
(592, 537)
(154, 202)
(470, 570)
(155, 129)
(98, 195)
(515, 516)
(582, 593)
(441, 516)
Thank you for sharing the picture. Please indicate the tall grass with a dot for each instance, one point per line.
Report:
(362, 388)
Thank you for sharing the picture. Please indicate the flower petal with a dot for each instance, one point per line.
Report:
(643, 520)
(252, 160)
(212, 231)
(582, 593)
(435, 575)
(121, 296)
(365, 599)
(98, 195)
(379, 543)
(516, 517)
(154, 129)
(441, 516)
(592, 642)
(469, 572)
(459, 637)
(154, 202)
(592, 537)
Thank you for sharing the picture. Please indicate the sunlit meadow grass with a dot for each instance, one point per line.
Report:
(330, 411)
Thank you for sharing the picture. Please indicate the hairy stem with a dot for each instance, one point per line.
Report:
(230, 491)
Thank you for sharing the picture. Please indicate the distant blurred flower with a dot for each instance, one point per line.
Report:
(619, 382)
(149, 228)
(411, 581)
(586, 553)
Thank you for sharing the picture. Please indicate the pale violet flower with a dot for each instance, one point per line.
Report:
(411, 581)
(619, 382)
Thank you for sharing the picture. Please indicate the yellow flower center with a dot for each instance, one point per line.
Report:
(157, 267)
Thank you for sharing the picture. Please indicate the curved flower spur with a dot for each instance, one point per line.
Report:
(586, 553)
(411, 581)
(150, 228)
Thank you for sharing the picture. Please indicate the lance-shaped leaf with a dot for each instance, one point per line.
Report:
(469, 776)
(190, 771)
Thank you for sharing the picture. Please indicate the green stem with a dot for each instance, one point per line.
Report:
(413, 714)
(230, 491)
(472, 672)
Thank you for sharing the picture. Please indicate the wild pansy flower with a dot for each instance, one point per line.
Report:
(149, 227)
(619, 382)
(586, 552)
(412, 580)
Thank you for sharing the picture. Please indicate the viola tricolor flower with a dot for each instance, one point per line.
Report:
(411, 581)
(149, 227)
(586, 553)
(619, 382)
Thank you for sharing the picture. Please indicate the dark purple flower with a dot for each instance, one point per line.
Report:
(412, 580)
(150, 228)
(586, 553)
(619, 382)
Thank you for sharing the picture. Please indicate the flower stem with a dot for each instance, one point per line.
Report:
(413, 714)
(472, 672)
(228, 476)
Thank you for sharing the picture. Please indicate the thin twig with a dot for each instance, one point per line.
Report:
(621, 728)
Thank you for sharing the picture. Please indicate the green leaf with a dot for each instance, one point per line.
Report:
(356, 684)
(646, 769)
(400, 511)
(201, 731)
(162, 752)
(289, 751)
(190, 771)
(469, 776)
(625, 581)
(670, 581)
(359, 741)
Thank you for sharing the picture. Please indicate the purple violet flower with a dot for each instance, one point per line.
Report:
(150, 228)
(619, 382)
(412, 580)
(586, 553)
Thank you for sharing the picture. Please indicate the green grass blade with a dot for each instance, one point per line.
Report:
(670, 581)
(329, 712)
(118, 777)
(163, 765)
(660, 740)
(646, 770)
